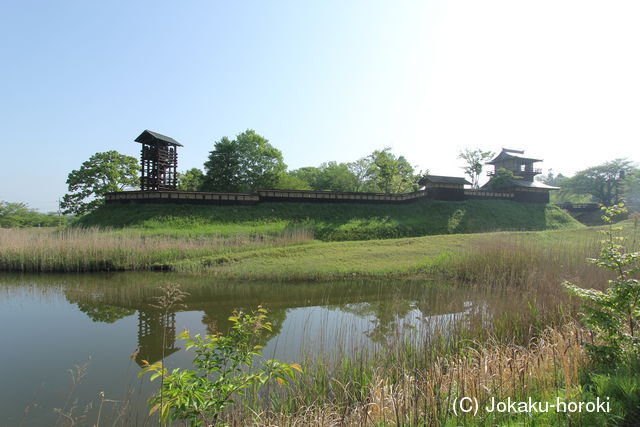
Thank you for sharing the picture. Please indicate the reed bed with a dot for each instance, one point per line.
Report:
(426, 396)
(524, 261)
(94, 249)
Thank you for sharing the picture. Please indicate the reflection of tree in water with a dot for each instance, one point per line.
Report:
(386, 316)
(157, 327)
(95, 310)
(391, 308)
(104, 312)
(391, 317)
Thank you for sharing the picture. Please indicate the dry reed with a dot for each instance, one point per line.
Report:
(425, 397)
(76, 250)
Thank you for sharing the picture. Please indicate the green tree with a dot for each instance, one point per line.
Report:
(556, 180)
(190, 180)
(564, 195)
(502, 178)
(103, 173)
(329, 176)
(336, 177)
(389, 173)
(613, 314)
(475, 159)
(20, 215)
(290, 181)
(243, 164)
(308, 174)
(603, 182)
(632, 188)
(384, 168)
(225, 366)
(360, 171)
(14, 215)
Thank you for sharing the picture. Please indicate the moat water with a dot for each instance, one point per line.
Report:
(99, 327)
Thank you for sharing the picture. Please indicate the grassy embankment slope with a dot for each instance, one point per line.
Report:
(334, 222)
(271, 241)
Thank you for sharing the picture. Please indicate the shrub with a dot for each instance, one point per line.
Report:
(224, 368)
(613, 314)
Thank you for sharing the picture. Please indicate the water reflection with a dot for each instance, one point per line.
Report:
(110, 316)
(387, 309)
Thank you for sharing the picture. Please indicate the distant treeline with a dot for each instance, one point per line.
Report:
(611, 182)
(16, 215)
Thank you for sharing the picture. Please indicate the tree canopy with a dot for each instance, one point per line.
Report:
(243, 164)
(502, 178)
(13, 215)
(103, 173)
(474, 159)
(329, 176)
(381, 171)
(564, 195)
(190, 180)
(389, 173)
(290, 181)
(632, 188)
(604, 183)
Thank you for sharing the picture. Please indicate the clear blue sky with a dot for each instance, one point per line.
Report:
(330, 80)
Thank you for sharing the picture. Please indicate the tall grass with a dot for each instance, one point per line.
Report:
(523, 260)
(93, 249)
(271, 256)
(381, 391)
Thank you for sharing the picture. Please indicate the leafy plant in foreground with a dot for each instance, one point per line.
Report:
(224, 368)
(613, 314)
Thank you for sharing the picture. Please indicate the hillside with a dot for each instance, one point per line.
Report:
(334, 222)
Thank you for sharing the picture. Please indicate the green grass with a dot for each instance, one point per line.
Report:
(289, 255)
(333, 222)
(275, 241)
(390, 257)
(463, 256)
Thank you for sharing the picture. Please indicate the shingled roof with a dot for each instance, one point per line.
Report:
(437, 179)
(507, 153)
(534, 184)
(150, 137)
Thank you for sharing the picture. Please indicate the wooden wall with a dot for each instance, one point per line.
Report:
(213, 198)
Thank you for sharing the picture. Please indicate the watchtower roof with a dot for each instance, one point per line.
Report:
(508, 153)
(150, 137)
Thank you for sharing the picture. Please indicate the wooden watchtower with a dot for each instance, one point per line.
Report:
(516, 162)
(524, 187)
(159, 161)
